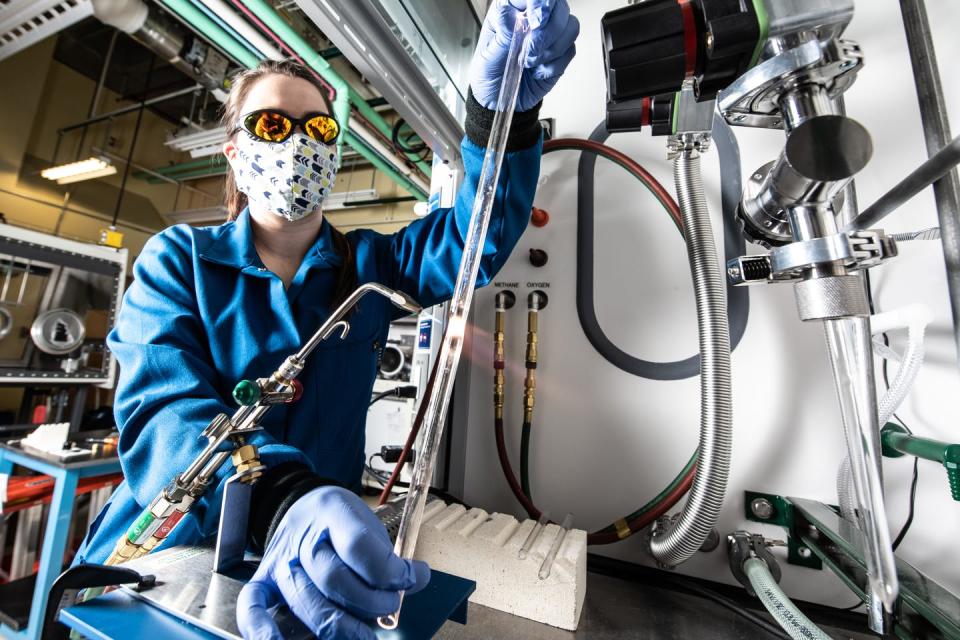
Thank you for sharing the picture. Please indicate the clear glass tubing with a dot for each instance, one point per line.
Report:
(533, 535)
(551, 556)
(439, 400)
(851, 356)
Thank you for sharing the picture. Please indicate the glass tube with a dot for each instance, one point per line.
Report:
(848, 341)
(439, 401)
(533, 535)
(551, 556)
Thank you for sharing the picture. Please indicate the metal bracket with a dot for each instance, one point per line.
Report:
(782, 515)
(234, 514)
(855, 251)
(754, 99)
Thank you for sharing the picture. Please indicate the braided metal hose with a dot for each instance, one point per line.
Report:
(702, 509)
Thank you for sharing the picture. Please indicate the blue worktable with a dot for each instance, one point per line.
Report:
(67, 476)
(118, 615)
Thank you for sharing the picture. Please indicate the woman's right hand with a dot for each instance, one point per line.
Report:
(331, 561)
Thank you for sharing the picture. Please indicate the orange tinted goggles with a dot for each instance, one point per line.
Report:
(271, 125)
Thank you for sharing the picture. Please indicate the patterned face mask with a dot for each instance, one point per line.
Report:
(289, 178)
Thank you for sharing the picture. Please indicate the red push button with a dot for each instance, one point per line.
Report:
(539, 217)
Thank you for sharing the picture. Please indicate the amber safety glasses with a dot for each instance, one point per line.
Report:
(271, 125)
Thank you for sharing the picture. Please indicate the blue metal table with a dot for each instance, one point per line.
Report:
(119, 615)
(67, 475)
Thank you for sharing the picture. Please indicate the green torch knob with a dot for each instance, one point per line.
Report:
(247, 392)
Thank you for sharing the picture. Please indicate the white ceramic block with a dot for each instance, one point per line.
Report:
(483, 547)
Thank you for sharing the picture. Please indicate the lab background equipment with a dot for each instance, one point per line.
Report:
(597, 435)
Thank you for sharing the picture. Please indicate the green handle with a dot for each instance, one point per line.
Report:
(247, 392)
(897, 442)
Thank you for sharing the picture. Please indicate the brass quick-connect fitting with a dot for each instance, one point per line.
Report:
(125, 550)
(534, 303)
(498, 364)
(245, 458)
(504, 300)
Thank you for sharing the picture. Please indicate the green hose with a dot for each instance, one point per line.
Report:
(656, 500)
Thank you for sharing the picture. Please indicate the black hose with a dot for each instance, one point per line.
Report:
(738, 301)
(525, 460)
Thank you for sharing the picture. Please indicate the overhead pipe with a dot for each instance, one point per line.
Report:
(154, 30)
(228, 29)
(129, 108)
(313, 59)
(243, 28)
(211, 30)
(134, 15)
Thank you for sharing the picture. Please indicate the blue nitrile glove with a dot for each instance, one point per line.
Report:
(551, 49)
(330, 560)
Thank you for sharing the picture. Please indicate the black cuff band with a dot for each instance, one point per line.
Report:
(524, 130)
(276, 492)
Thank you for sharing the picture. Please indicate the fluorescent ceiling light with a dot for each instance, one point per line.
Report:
(199, 143)
(81, 170)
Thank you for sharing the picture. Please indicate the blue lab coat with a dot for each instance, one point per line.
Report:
(203, 313)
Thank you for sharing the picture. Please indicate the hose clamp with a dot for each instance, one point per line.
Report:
(743, 545)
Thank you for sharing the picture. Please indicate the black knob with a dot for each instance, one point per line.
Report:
(644, 49)
(651, 47)
(538, 257)
(633, 115)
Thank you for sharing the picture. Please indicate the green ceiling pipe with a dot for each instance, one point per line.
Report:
(341, 104)
(315, 60)
(897, 441)
(382, 165)
(211, 30)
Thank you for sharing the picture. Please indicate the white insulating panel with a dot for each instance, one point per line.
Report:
(484, 547)
(604, 442)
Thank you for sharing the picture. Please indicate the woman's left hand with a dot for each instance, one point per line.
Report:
(552, 36)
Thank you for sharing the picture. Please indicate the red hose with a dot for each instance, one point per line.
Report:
(597, 537)
(629, 163)
(671, 499)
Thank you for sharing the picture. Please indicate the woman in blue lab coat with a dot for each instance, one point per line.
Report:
(211, 306)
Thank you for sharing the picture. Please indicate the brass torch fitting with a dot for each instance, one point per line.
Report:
(245, 458)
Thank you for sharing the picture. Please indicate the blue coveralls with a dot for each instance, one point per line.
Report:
(203, 313)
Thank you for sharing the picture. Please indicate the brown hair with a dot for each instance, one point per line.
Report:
(236, 200)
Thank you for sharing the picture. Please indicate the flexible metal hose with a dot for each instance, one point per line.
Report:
(787, 615)
(700, 513)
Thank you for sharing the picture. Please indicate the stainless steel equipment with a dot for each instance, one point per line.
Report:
(59, 299)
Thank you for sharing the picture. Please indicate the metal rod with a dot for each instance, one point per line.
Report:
(936, 127)
(56, 205)
(99, 89)
(128, 109)
(133, 146)
(919, 179)
(151, 172)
